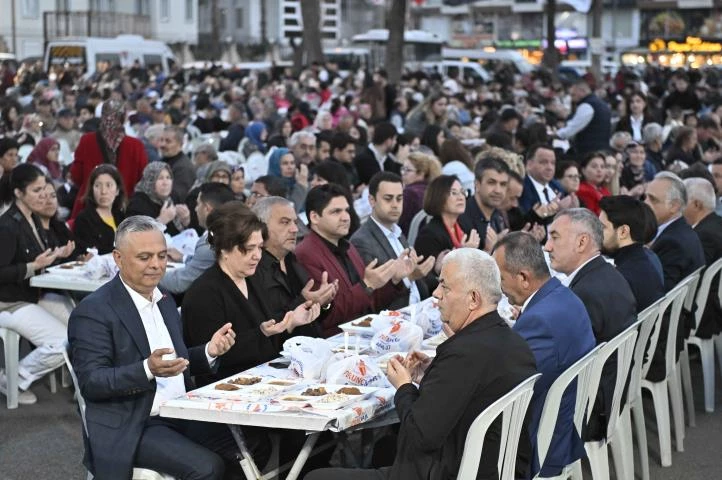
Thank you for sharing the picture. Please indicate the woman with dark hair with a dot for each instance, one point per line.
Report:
(445, 201)
(280, 134)
(433, 137)
(104, 209)
(567, 174)
(45, 156)
(41, 318)
(636, 117)
(152, 197)
(8, 161)
(238, 182)
(282, 164)
(9, 119)
(110, 145)
(224, 294)
(54, 230)
(416, 172)
(456, 160)
(592, 188)
(684, 149)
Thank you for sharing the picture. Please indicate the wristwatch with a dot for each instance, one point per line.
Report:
(369, 290)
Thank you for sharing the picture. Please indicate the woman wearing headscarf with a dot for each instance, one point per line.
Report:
(152, 198)
(218, 172)
(256, 135)
(108, 145)
(282, 164)
(45, 155)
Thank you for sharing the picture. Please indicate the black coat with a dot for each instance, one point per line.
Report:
(141, 204)
(433, 238)
(612, 308)
(366, 165)
(709, 230)
(436, 416)
(639, 271)
(680, 252)
(92, 231)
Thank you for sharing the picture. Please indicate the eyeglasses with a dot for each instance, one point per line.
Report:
(458, 193)
(407, 170)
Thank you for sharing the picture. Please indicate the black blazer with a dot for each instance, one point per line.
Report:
(92, 231)
(680, 252)
(18, 247)
(625, 124)
(366, 165)
(639, 271)
(433, 238)
(141, 204)
(612, 308)
(709, 230)
(436, 416)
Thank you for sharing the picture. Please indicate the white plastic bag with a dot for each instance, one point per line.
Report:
(308, 356)
(184, 242)
(399, 337)
(427, 316)
(357, 370)
(385, 319)
(101, 266)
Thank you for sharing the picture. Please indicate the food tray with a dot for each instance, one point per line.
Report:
(330, 401)
(264, 388)
(351, 328)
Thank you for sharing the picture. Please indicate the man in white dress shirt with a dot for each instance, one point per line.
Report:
(127, 349)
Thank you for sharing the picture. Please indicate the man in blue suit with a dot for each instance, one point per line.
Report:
(127, 349)
(555, 324)
(541, 194)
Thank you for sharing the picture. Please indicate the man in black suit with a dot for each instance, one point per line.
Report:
(435, 416)
(381, 238)
(700, 214)
(623, 219)
(482, 211)
(375, 158)
(575, 240)
(127, 349)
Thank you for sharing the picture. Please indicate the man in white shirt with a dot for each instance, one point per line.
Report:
(127, 349)
(380, 237)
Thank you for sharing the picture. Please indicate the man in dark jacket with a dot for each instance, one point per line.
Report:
(590, 126)
(435, 416)
(184, 174)
(375, 158)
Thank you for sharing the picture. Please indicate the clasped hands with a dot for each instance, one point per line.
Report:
(303, 314)
(220, 343)
(407, 265)
(401, 370)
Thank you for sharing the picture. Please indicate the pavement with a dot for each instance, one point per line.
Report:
(44, 441)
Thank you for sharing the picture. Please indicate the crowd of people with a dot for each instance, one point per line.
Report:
(319, 198)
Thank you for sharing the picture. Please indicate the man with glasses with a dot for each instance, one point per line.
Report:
(266, 186)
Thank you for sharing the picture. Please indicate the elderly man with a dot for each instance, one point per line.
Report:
(303, 146)
(285, 282)
(624, 227)
(435, 416)
(184, 174)
(211, 196)
(575, 239)
(653, 140)
(203, 155)
(127, 349)
(558, 330)
(708, 227)
(381, 238)
(591, 124)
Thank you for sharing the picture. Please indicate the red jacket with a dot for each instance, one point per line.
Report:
(351, 301)
(131, 156)
(590, 196)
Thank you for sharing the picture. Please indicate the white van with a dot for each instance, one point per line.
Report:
(468, 72)
(122, 50)
(490, 58)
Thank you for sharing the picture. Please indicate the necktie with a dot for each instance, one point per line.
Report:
(545, 191)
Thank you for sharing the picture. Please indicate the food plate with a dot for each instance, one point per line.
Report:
(435, 341)
(324, 396)
(355, 326)
(263, 388)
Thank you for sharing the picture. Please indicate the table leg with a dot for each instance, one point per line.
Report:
(247, 464)
(303, 456)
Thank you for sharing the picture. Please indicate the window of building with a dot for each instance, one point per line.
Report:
(189, 10)
(164, 10)
(239, 18)
(30, 8)
(62, 5)
(142, 7)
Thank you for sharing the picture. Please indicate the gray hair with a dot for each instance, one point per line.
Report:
(137, 223)
(208, 149)
(701, 189)
(523, 252)
(296, 138)
(652, 132)
(676, 191)
(263, 206)
(154, 131)
(478, 271)
(620, 136)
(587, 223)
(176, 131)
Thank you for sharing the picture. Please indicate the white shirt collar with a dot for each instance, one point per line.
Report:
(379, 157)
(662, 227)
(568, 280)
(396, 232)
(526, 302)
(139, 300)
(540, 190)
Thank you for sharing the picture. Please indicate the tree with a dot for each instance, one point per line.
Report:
(396, 23)
(311, 15)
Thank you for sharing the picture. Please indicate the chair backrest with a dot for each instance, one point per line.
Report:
(623, 345)
(693, 281)
(78, 394)
(417, 222)
(512, 407)
(579, 372)
(703, 291)
(674, 303)
(648, 320)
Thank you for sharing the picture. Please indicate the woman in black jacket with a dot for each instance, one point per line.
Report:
(152, 197)
(104, 200)
(38, 317)
(222, 294)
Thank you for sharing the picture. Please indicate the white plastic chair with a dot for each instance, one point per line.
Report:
(11, 346)
(705, 345)
(623, 345)
(693, 280)
(419, 220)
(512, 407)
(581, 372)
(670, 386)
(648, 321)
(138, 473)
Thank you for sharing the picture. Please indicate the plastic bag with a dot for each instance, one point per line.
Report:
(385, 319)
(101, 266)
(308, 356)
(357, 370)
(427, 316)
(399, 337)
